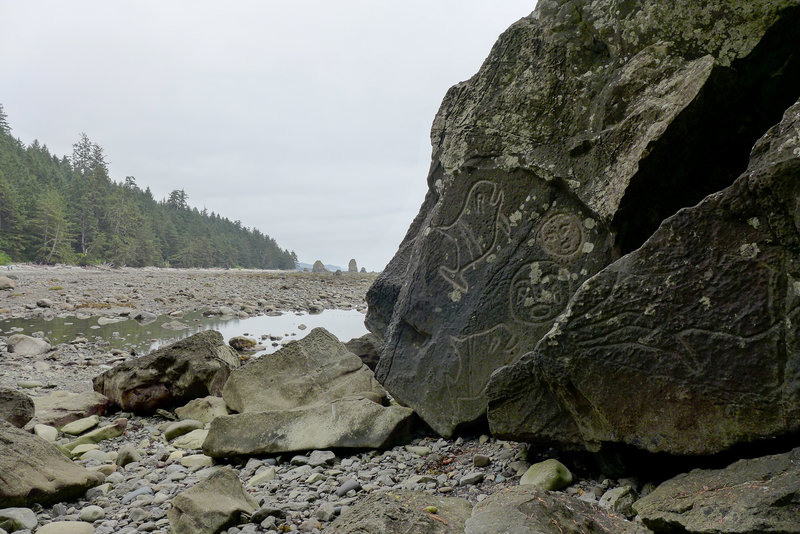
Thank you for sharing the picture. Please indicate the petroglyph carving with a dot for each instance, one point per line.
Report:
(539, 292)
(475, 231)
(478, 356)
(560, 235)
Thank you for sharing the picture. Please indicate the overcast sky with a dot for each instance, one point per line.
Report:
(308, 120)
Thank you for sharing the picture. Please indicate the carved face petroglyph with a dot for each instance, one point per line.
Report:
(539, 292)
(560, 235)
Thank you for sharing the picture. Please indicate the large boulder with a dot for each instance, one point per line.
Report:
(193, 367)
(34, 471)
(531, 510)
(311, 370)
(588, 124)
(404, 512)
(61, 407)
(318, 267)
(26, 345)
(212, 505)
(16, 407)
(366, 347)
(748, 497)
(352, 267)
(353, 422)
(6, 283)
(688, 345)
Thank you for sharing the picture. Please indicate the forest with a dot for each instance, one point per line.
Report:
(68, 210)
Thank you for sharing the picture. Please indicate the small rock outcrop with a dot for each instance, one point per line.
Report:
(16, 407)
(212, 505)
(702, 318)
(405, 512)
(319, 267)
(587, 126)
(35, 471)
(532, 510)
(352, 267)
(190, 368)
(749, 496)
(311, 370)
(347, 423)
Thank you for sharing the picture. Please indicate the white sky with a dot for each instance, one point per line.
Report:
(308, 120)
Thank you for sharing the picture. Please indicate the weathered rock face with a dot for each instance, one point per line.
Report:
(311, 370)
(318, 267)
(34, 471)
(349, 423)
(352, 267)
(366, 347)
(16, 407)
(403, 512)
(749, 496)
(529, 510)
(190, 368)
(62, 407)
(588, 124)
(701, 320)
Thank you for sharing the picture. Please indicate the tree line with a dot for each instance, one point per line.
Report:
(68, 210)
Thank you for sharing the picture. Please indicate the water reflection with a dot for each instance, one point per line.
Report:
(129, 334)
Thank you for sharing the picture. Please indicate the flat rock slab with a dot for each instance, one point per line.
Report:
(34, 471)
(62, 407)
(212, 505)
(747, 497)
(403, 512)
(196, 366)
(315, 369)
(353, 422)
(701, 320)
(531, 510)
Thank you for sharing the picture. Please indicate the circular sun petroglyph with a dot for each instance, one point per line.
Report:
(539, 292)
(560, 235)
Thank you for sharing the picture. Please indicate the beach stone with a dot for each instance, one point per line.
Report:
(315, 369)
(190, 368)
(61, 407)
(46, 432)
(182, 427)
(553, 160)
(549, 475)
(66, 527)
(78, 450)
(262, 477)
(191, 440)
(353, 422)
(533, 510)
(127, 454)
(197, 460)
(242, 343)
(14, 519)
(115, 429)
(34, 471)
(23, 345)
(402, 512)
(317, 458)
(80, 426)
(7, 283)
(204, 409)
(16, 407)
(684, 330)
(749, 496)
(212, 505)
(619, 500)
(92, 513)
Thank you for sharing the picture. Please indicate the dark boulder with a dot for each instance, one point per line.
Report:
(16, 407)
(689, 345)
(193, 367)
(588, 124)
(366, 347)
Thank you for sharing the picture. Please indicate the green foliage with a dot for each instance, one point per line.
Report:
(68, 210)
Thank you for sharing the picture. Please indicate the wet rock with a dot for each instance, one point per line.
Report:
(34, 471)
(353, 422)
(749, 496)
(312, 370)
(212, 505)
(681, 318)
(23, 345)
(532, 510)
(588, 124)
(193, 367)
(242, 343)
(16, 407)
(402, 512)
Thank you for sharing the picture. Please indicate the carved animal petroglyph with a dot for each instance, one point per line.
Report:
(475, 231)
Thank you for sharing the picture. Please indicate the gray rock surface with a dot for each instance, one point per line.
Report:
(6, 283)
(682, 319)
(312, 370)
(532, 510)
(352, 422)
(16, 407)
(211, 505)
(204, 409)
(588, 124)
(196, 366)
(14, 519)
(61, 407)
(550, 475)
(352, 267)
(403, 512)
(319, 267)
(34, 471)
(27, 346)
(750, 496)
(367, 347)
